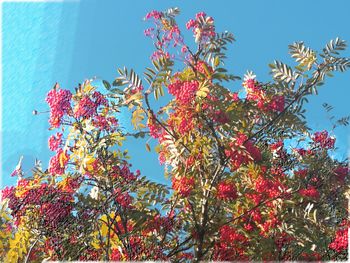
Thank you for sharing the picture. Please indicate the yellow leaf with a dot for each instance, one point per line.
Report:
(206, 69)
(216, 61)
(2, 235)
(135, 98)
(137, 118)
(95, 244)
(87, 163)
(201, 93)
(63, 158)
(88, 88)
(11, 256)
(104, 226)
(207, 186)
(203, 90)
(198, 108)
(115, 242)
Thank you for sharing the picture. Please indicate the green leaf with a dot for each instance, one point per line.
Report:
(216, 61)
(283, 72)
(106, 84)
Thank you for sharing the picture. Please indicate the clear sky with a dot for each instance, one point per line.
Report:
(70, 41)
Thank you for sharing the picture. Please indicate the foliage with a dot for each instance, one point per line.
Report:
(249, 179)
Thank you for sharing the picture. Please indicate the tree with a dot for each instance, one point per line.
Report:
(249, 179)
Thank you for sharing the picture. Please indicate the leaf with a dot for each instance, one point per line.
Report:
(327, 107)
(304, 55)
(172, 12)
(137, 117)
(215, 47)
(63, 158)
(156, 96)
(203, 89)
(148, 148)
(106, 84)
(314, 216)
(135, 99)
(283, 72)
(131, 79)
(216, 61)
(341, 64)
(202, 92)
(333, 46)
(344, 121)
(104, 229)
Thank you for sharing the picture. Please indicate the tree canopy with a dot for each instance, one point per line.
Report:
(249, 180)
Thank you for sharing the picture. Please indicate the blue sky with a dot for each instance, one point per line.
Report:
(71, 41)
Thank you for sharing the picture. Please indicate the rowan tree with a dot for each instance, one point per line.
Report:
(248, 179)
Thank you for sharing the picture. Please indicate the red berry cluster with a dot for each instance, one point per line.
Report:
(59, 102)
